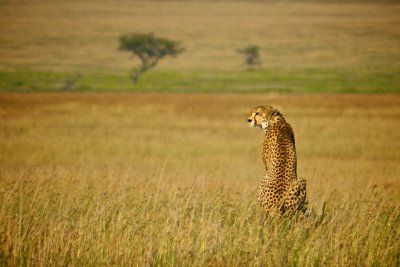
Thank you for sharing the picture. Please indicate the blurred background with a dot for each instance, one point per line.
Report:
(304, 46)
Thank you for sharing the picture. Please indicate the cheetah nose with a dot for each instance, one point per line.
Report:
(249, 120)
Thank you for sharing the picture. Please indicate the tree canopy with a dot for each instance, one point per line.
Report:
(252, 55)
(149, 49)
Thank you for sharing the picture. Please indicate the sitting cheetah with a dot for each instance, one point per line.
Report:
(281, 191)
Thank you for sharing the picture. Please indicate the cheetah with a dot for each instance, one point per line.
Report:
(281, 191)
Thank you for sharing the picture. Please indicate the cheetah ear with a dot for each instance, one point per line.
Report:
(275, 112)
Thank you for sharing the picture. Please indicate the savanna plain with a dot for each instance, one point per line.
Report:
(171, 180)
(96, 171)
(305, 46)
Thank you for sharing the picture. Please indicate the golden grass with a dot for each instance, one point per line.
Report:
(81, 35)
(170, 179)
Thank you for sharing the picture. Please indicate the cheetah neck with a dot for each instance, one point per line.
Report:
(266, 125)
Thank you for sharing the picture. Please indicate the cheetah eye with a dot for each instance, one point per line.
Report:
(257, 113)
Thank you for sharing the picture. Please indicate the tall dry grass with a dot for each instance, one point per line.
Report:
(169, 179)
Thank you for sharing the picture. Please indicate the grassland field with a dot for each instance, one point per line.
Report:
(171, 180)
(160, 178)
(306, 46)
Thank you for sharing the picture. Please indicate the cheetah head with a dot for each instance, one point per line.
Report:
(260, 116)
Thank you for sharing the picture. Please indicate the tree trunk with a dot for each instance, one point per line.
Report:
(146, 64)
(136, 72)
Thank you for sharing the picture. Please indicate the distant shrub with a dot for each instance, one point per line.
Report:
(70, 82)
(149, 49)
(252, 55)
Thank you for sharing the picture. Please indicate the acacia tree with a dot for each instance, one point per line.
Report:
(149, 49)
(252, 55)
